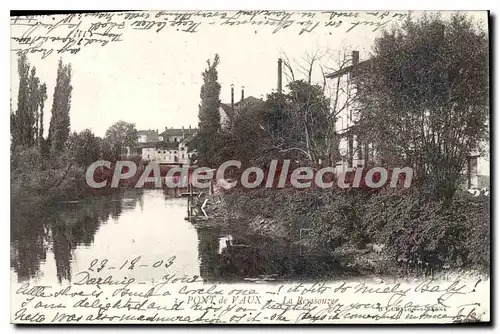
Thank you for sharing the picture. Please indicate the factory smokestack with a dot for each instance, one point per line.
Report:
(355, 62)
(232, 97)
(355, 57)
(242, 93)
(280, 75)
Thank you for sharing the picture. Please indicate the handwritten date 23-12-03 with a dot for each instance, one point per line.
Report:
(104, 264)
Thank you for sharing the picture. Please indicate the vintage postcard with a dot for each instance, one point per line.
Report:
(250, 167)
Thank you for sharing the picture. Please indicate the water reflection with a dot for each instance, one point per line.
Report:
(234, 254)
(59, 230)
(60, 241)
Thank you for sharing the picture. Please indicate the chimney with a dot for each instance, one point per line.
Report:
(355, 61)
(355, 57)
(280, 85)
(166, 128)
(189, 126)
(242, 93)
(232, 97)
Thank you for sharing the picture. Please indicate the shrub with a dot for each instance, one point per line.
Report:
(429, 234)
(419, 233)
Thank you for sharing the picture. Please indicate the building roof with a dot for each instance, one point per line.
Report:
(228, 110)
(178, 132)
(147, 132)
(239, 105)
(360, 66)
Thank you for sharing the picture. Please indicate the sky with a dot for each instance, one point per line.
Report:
(154, 79)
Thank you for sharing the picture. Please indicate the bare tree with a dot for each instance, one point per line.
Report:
(315, 69)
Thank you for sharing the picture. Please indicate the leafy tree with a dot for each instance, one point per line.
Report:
(297, 122)
(208, 115)
(285, 126)
(85, 147)
(424, 102)
(245, 140)
(121, 135)
(31, 98)
(60, 121)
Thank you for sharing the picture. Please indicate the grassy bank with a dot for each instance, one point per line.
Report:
(397, 232)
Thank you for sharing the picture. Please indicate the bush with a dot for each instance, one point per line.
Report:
(428, 234)
(37, 180)
(419, 233)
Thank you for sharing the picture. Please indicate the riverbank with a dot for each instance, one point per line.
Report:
(394, 232)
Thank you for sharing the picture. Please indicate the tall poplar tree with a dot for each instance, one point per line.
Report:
(42, 96)
(208, 115)
(24, 121)
(60, 121)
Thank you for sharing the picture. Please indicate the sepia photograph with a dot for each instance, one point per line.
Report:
(250, 167)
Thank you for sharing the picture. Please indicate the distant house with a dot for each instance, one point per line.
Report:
(171, 135)
(147, 136)
(168, 147)
(167, 153)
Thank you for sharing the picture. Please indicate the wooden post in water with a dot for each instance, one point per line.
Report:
(190, 200)
(189, 207)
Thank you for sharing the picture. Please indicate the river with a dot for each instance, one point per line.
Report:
(149, 227)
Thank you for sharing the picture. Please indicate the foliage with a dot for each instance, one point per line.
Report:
(428, 92)
(285, 126)
(120, 136)
(27, 120)
(209, 125)
(421, 232)
(36, 180)
(418, 233)
(60, 121)
(85, 147)
(52, 169)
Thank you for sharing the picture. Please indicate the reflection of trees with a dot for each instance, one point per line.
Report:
(62, 250)
(116, 205)
(250, 255)
(208, 247)
(246, 256)
(69, 225)
(28, 244)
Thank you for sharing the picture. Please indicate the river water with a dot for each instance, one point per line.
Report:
(145, 227)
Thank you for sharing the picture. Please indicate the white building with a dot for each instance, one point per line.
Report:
(167, 154)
